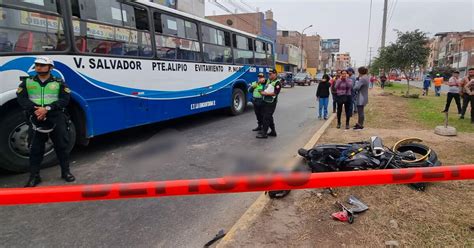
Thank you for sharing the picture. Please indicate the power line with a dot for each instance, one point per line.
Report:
(214, 2)
(252, 9)
(237, 6)
(393, 10)
(230, 12)
(249, 6)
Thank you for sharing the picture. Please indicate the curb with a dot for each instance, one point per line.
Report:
(257, 207)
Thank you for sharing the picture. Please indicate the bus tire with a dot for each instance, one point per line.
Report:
(238, 102)
(13, 143)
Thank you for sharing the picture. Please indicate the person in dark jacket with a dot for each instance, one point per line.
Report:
(353, 78)
(333, 90)
(383, 80)
(322, 93)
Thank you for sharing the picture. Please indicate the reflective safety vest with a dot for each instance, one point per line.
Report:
(271, 99)
(257, 88)
(438, 81)
(42, 95)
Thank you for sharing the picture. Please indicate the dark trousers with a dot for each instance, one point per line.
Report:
(438, 90)
(347, 103)
(465, 103)
(354, 103)
(268, 110)
(258, 109)
(351, 104)
(60, 138)
(360, 112)
(457, 99)
(468, 99)
(334, 102)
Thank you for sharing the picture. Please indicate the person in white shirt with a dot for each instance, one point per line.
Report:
(453, 92)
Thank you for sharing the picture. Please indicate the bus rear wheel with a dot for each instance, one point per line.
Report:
(14, 152)
(239, 102)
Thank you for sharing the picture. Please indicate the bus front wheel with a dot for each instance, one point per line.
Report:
(239, 102)
(14, 152)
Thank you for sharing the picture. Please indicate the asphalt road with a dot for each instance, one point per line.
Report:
(202, 146)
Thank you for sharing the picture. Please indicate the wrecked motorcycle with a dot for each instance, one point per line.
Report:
(406, 153)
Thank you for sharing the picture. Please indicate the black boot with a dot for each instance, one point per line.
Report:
(338, 125)
(33, 181)
(68, 177)
(259, 128)
(272, 133)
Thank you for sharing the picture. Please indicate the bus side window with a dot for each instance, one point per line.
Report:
(176, 38)
(243, 53)
(260, 55)
(111, 27)
(270, 55)
(216, 45)
(23, 31)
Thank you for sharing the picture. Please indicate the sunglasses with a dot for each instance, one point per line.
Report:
(41, 65)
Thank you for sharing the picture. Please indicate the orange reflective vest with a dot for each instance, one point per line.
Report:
(438, 81)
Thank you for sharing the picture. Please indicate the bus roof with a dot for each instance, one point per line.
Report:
(181, 13)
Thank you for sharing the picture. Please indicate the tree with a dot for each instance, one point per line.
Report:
(408, 53)
(444, 71)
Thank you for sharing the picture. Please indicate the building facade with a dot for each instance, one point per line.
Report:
(310, 44)
(255, 23)
(452, 49)
(288, 58)
(342, 61)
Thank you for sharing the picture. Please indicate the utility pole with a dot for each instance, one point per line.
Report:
(368, 31)
(332, 63)
(370, 56)
(384, 25)
(301, 46)
(459, 51)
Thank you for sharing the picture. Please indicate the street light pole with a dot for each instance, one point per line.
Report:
(301, 47)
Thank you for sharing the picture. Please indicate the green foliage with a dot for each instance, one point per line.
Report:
(408, 53)
(445, 72)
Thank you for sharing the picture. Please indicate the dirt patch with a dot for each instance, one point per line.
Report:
(441, 216)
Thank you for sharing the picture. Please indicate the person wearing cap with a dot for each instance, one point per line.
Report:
(438, 81)
(270, 99)
(44, 99)
(256, 88)
(454, 91)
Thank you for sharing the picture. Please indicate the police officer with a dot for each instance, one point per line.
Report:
(270, 99)
(44, 99)
(256, 88)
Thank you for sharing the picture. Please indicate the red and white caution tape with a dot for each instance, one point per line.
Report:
(233, 184)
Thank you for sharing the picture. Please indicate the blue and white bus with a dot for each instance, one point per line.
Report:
(128, 63)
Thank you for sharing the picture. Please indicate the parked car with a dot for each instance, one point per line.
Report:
(319, 77)
(286, 79)
(302, 78)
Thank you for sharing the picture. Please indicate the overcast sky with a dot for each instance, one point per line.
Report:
(349, 19)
